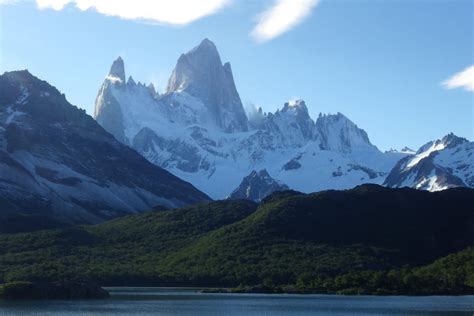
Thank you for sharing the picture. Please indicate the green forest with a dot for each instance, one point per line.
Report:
(368, 240)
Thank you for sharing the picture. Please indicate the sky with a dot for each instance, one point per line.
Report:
(400, 69)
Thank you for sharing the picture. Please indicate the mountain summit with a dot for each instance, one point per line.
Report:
(117, 71)
(337, 132)
(201, 74)
(256, 186)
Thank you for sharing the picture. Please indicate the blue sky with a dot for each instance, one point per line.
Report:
(380, 62)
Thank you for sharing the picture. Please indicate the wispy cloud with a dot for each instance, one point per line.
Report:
(176, 12)
(463, 80)
(282, 17)
(54, 4)
(8, 2)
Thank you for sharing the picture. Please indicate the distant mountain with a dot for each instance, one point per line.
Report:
(256, 186)
(56, 161)
(198, 130)
(368, 240)
(404, 150)
(438, 165)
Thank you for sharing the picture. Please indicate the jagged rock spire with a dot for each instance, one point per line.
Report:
(117, 70)
(131, 81)
(153, 92)
(107, 110)
(201, 73)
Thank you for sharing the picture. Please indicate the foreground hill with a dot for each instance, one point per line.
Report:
(57, 162)
(366, 240)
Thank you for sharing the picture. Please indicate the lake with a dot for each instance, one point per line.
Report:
(188, 301)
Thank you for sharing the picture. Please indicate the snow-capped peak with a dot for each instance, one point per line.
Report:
(447, 141)
(201, 74)
(194, 66)
(405, 150)
(295, 114)
(130, 81)
(205, 47)
(437, 165)
(296, 103)
(296, 106)
(337, 132)
(153, 92)
(256, 186)
(452, 140)
(117, 71)
(263, 175)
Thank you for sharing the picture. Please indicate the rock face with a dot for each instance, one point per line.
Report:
(338, 133)
(200, 73)
(56, 160)
(108, 112)
(117, 71)
(256, 186)
(437, 165)
(198, 131)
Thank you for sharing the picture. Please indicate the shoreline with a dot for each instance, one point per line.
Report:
(213, 290)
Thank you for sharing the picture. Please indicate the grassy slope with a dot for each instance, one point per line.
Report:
(332, 241)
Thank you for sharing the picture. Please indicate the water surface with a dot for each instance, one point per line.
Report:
(189, 301)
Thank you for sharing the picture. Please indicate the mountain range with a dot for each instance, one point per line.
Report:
(59, 164)
(198, 130)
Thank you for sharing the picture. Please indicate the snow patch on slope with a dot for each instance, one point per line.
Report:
(438, 165)
(425, 152)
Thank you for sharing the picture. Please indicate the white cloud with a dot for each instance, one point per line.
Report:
(177, 12)
(463, 79)
(279, 18)
(283, 16)
(54, 4)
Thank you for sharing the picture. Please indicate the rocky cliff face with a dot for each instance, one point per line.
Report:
(337, 132)
(200, 73)
(56, 159)
(108, 112)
